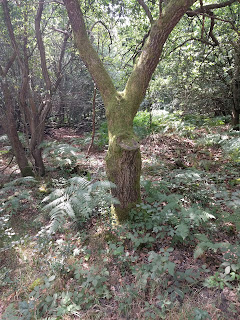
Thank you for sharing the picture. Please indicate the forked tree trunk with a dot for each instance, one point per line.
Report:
(123, 158)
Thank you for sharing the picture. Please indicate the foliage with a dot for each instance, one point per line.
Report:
(144, 124)
(60, 155)
(165, 214)
(79, 200)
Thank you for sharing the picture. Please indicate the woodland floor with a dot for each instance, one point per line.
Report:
(161, 155)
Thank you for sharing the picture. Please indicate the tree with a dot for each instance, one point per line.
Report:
(35, 92)
(8, 121)
(123, 158)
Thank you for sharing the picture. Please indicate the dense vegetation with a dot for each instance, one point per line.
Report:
(178, 257)
(120, 196)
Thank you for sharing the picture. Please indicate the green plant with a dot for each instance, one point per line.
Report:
(218, 280)
(102, 135)
(61, 155)
(200, 314)
(79, 200)
(231, 146)
(166, 214)
(144, 124)
(205, 244)
(231, 261)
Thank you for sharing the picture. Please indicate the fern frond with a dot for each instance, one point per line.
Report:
(54, 195)
(78, 199)
(55, 203)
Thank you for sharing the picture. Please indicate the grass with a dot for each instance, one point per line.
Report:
(144, 269)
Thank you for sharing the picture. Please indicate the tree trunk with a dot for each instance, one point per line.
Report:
(235, 119)
(10, 127)
(236, 85)
(124, 169)
(123, 158)
(93, 119)
(37, 127)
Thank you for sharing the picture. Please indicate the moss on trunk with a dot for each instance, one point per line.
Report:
(124, 169)
(123, 158)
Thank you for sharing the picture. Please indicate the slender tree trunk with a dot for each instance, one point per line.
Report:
(93, 119)
(236, 85)
(37, 126)
(10, 127)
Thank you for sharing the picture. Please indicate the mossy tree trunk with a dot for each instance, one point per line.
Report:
(123, 158)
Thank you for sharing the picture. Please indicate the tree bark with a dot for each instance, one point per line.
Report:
(236, 86)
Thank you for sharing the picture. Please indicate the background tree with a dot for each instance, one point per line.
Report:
(36, 85)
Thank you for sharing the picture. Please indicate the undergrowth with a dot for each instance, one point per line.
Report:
(180, 243)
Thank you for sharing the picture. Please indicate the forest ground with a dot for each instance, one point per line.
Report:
(129, 281)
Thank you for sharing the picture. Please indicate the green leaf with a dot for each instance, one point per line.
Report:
(182, 230)
(198, 252)
(170, 267)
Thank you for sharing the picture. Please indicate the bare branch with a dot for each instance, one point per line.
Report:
(41, 45)
(209, 7)
(105, 26)
(192, 39)
(8, 23)
(61, 31)
(60, 67)
(146, 9)
(215, 40)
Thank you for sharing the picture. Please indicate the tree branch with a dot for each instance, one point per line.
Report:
(8, 23)
(209, 7)
(105, 26)
(41, 47)
(87, 53)
(215, 40)
(146, 9)
(191, 39)
(3, 72)
(146, 64)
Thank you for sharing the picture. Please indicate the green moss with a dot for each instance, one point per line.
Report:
(35, 283)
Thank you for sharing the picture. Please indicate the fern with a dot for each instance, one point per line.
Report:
(62, 155)
(79, 199)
